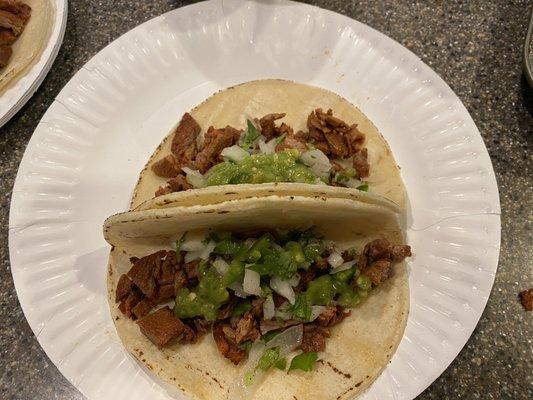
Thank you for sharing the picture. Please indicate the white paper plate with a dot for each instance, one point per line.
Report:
(13, 100)
(83, 160)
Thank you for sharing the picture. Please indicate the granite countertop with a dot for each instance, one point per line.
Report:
(475, 46)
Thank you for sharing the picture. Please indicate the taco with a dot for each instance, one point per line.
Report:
(241, 300)
(271, 131)
(25, 27)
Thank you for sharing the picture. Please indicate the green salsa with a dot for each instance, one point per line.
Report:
(262, 168)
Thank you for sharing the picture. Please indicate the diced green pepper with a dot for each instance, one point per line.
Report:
(364, 282)
(304, 361)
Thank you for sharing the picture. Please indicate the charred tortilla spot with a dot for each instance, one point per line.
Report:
(338, 371)
(223, 212)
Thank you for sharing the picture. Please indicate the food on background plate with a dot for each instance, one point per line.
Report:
(311, 301)
(526, 299)
(25, 26)
(272, 131)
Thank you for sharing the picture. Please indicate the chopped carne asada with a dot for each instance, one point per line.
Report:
(250, 286)
(14, 16)
(331, 152)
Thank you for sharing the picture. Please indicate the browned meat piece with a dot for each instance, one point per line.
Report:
(184, 140)
(143, 270)
(128, 303)
(278, 299)
(354, 140)
(227, 309)
(124, 288)
(191, 269)
(322, 263)
(526, 298)
(337, 144)
(291, 142)
(176, 184)
(228, 349)
(314, 338)
(22, 10)
(332, 316)
(142, 308)
(5, 55)
(164, 293)
(201, 325)
(301, 135)
(166, 274)
(305, 278)
(266, 326)
(11, 21)
(6, 37)
(379, 271)
(246, 329)
(399, 252)
(215, 141)
(189, 333)
(167, 167)
(360, 163)
(257, 307)
(161, 327)
(180, 280)
(323, 147)
(285, 129)
(268, 127)
(373, 251)
(347, 257)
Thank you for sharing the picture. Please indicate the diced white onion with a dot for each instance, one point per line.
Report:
(267, 147)
(294, 280)
(287, 341)
(195, 178)
(316, 311)
(234, 153)
(335, 259)
(237, 288)
(192, 255)
(268, 308)
(283, 288)
(221, 266)
(284, 314)
(208, 249)
(317, 161)
(343, 267)
(251, 283)
(194, 241)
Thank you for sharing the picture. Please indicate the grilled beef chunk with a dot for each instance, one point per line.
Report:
(291, 142)
(305, 277)
(163, 293)
(257, 307)
(332, 316)
(5, 55)
(143, 271)
(227, 309)
(23, 11)
(184, 140)
(215, 141)
(526, 298)
(11, 21)
(268, 126)
(246, 329)
(127, 305)
(360, 163)
(323, 147)
(191, 269)
(201, 325)
(226, 345)
(161, 327)
(314, 338)
(6, 37)
(180, 280)
(124, 288)
(142, 308)
(167, 167)
(377, 257)
(189, 333)
(175, 184)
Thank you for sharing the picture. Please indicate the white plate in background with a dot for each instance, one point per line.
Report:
(85, 156)
(15, 97)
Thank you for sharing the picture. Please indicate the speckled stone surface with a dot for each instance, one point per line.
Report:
(475, 46)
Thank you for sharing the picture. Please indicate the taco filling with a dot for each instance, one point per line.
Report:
(330, 152)
(14, 16)
(247, 288)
